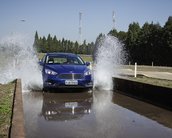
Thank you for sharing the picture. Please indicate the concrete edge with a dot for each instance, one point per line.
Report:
(157, 95)
(17, 124)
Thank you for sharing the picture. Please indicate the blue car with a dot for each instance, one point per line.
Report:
(65, 70)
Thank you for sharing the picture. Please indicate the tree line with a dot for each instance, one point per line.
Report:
(52, 44)
(147, 44)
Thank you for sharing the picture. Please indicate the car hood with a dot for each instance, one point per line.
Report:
(67, 68)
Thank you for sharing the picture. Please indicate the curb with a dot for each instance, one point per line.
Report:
(157, 95)
(17, 126)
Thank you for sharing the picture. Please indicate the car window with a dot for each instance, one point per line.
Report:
(64, 60)
(59, 60)
(43, 59)
(74, 60)
(55, 60)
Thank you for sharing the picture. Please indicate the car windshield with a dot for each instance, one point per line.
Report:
(64, 60)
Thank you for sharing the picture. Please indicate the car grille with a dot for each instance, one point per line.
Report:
(71, 76)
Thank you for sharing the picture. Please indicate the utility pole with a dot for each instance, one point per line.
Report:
(113, 20)
(80, 28)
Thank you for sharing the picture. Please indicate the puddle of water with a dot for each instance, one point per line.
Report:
(96, 114)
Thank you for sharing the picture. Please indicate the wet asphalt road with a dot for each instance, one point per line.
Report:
(93, 114)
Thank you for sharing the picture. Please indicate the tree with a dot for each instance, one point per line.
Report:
(120, 35)
(36, 42)
(114, 32)
(149, 43)
(52, 44)
(168, 32)
(132, 40)
(167, 42)
(76, 46)
(55, 47)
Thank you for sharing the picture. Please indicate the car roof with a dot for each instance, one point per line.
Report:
(60, 54)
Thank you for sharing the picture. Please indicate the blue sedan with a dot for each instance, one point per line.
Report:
(65, 70)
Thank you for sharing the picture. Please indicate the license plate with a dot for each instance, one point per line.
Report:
(71, 104)
(71, 82)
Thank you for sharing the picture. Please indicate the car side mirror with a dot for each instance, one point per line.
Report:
(41, 63)
(87, 63)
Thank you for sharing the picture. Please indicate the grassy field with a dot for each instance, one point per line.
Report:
(6, 100)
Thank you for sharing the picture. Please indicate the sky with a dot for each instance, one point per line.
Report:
(61, 17)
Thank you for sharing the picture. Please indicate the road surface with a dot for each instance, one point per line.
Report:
(90, 114)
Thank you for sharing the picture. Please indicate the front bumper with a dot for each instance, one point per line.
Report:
(51, 81)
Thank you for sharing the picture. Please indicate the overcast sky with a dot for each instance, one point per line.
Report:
(61, 17)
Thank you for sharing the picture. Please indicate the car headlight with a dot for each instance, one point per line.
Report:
(50, 72)
(87, 73)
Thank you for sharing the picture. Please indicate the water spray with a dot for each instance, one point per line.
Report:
(109, 55)
(18, 59)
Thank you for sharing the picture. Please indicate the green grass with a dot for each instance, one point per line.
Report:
(6, 100)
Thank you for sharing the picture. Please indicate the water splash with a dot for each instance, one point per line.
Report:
(108, 55)
(19, 60)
